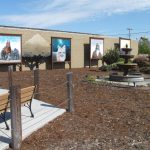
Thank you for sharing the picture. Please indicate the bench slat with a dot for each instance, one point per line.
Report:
(25, 99)
(27, 89)
(3, 107)
(26, 94)
(3, 101)
(4, 96)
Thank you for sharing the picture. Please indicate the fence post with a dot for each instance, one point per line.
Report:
(36, 82)
(10, 70)
(16, 124)
(70, 92)
(15, 109)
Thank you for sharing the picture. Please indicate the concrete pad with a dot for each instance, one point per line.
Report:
(3, 91)
(144, 83)
(43, 113)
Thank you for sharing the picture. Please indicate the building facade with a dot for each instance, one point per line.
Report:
(36, 42)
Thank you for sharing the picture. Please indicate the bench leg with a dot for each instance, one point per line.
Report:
(7, 127)
(3, 116)
(29, 106)
(31, 111)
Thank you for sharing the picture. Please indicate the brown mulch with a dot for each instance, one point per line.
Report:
(106, 117)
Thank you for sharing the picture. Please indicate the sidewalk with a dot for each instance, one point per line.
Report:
(43, 113)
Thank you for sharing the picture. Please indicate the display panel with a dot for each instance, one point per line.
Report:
(124, 43)
(96, 48)
(10, 48)
(61, 49)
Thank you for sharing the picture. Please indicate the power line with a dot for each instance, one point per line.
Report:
(142, 32)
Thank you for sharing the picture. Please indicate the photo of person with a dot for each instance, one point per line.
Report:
(96, 53)
(96, 48)
(61, 49)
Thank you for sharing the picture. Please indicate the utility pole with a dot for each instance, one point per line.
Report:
(129, 32)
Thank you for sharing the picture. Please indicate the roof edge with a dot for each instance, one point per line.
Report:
(17, 27)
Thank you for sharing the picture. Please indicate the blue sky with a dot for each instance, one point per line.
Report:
(6, 38)
(106, 17)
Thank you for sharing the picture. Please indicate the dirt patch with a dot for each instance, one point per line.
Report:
(105, 117)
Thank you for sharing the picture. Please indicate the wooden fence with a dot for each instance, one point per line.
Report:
(15, 104)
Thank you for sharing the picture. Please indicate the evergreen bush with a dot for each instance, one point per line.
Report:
(112, 56)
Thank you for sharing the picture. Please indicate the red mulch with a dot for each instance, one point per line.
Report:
(106, 117)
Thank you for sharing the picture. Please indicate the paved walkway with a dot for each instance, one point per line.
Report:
(43, 113)
(144, 83)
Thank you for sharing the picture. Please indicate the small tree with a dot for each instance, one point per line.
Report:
(144, 46)
(33, 61)
(112, 56)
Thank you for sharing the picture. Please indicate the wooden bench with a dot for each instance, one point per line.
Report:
(27, 94)
(4, 101)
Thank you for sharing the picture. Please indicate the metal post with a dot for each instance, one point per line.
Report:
(70, 92)
(36, 82)
(129, 32)
(16, 126)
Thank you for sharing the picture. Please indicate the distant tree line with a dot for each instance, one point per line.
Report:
(144, 46)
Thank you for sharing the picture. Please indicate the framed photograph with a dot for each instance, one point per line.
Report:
(10, 49)
(61, 49)
(96, 48)
(124, 43)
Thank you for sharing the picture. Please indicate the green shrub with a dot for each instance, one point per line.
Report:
(103, 68)
(144, 46)
(120, 60)
(114, 66)
(90, 77)
(109, 67)
(112, 56)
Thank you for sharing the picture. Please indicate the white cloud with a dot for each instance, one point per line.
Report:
(53, 12)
